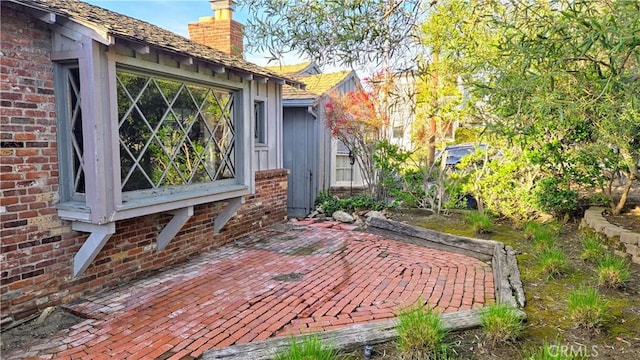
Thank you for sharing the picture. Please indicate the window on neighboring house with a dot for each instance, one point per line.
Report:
(173, 133)
(398, 132)
(343, 164)
(259, 126)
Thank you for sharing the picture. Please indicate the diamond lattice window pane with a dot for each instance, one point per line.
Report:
(173, 133)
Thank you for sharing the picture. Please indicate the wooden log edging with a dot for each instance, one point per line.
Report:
(347, 339)
(477, 248)
(507, 281)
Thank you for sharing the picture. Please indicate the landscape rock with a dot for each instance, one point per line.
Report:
(375, 214)
(343, 217)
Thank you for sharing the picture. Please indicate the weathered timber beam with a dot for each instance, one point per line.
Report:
(345, 340)
(485, 247)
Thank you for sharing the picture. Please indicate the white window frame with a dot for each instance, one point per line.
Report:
(356, 175)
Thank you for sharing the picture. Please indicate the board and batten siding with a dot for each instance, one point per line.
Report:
(269, 155)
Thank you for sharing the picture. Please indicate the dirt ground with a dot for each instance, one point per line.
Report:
(17, 337)
(629, 219)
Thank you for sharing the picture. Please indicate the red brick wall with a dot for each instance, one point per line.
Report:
(224, 35)
(37, 249)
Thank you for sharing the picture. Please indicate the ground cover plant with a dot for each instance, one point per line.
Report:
(552, 262)
(613, 271)
(501, 323)
(421, 333)
(592, 248)
(307, 348)
(481, 223)
(587, 307)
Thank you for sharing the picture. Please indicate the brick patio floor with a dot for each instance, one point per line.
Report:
(278, 281)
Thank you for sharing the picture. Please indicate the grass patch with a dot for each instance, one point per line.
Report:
(552, 262)
(307, 348)
(592, 248)
(543, 236)
(613, 271)
(421, 333)
(501, 323)
(587, 308)
(480, 223)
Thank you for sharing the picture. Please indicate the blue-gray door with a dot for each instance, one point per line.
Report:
(300, 157)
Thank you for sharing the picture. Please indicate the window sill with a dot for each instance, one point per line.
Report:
(78, 211)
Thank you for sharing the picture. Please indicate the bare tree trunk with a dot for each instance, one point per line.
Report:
(434, 102)
(617, 208)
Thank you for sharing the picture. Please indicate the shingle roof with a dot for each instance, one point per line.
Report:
(290, 70)
(316, 85)
(128, 28)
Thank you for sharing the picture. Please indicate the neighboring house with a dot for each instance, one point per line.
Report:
(316, 161)
(125, 149)
(405, 109)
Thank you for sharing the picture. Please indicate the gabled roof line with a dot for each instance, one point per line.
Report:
(112, 26)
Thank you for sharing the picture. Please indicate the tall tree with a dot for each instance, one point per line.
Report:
(568, 87)
(347, 33)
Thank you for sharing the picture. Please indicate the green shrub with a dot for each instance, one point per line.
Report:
(421, 333)
(307, 348)
(501, 323)
(553, 196)
(587, 308)
(552, 262)
(361, 202)
(480, 223)
(613, 271)
(592, 248)
(550, 352)
(332, 203)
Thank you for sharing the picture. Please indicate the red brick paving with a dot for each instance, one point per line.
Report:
(276, 282)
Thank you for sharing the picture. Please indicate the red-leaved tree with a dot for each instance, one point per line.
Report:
(357, 120)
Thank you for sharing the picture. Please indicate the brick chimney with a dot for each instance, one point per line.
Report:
(220, 31)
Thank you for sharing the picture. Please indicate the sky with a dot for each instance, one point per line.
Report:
(174, 15)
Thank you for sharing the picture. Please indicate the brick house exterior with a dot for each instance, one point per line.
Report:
(39, 244)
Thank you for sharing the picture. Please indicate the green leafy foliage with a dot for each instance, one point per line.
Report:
(334, 32)
(331, 203)
(389, 160)
(587, 308)
(501, 323)
(501, 181)
(552, 196)
(307, 348)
